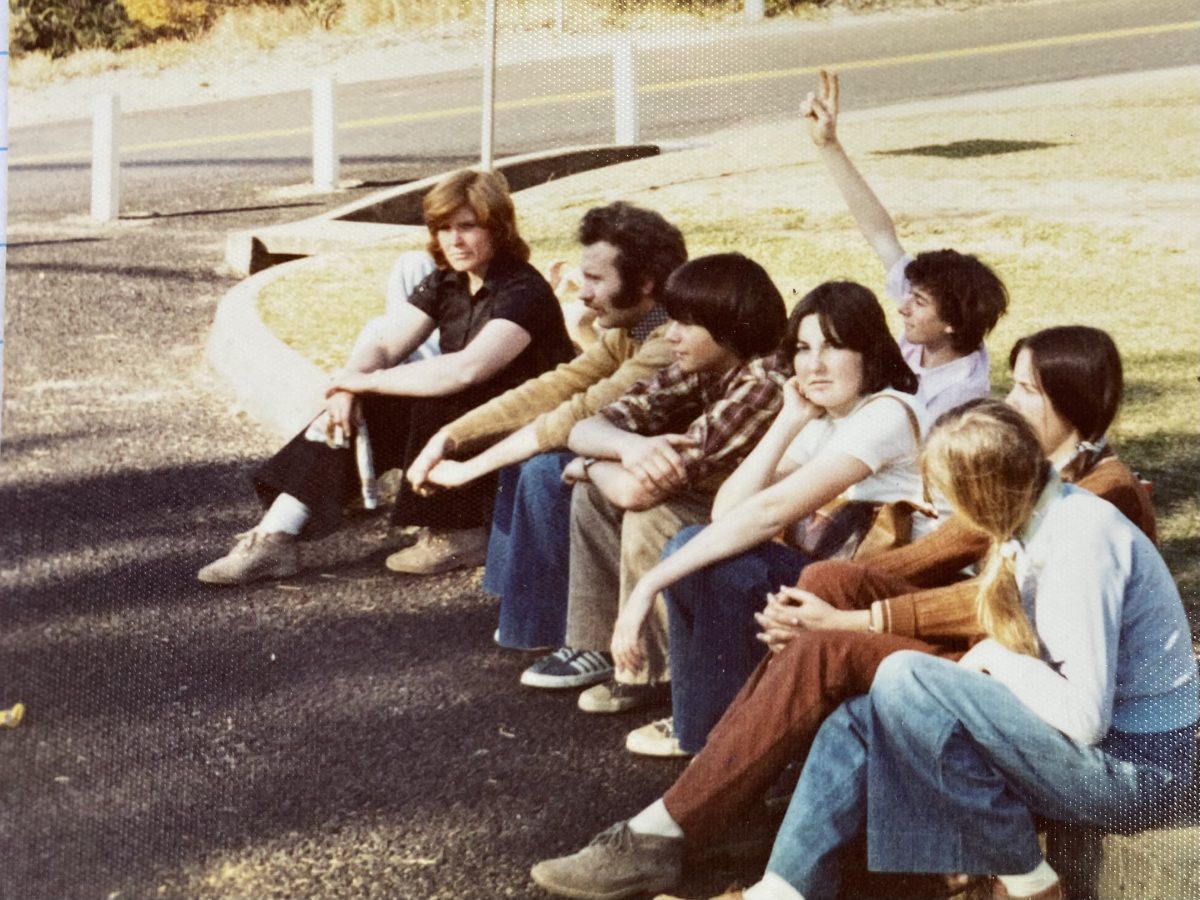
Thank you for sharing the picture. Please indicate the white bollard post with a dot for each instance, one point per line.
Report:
(755, 10)
(625, 94)
(324, 133)
(487, 125)
(106, 162)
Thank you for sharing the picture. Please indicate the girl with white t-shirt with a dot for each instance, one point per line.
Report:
(850, 428)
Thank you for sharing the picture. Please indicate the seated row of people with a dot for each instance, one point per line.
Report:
(827, 636)
(832, 442)
(650, 495)
(1077, 701)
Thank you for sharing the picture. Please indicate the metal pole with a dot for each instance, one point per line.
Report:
(755, 10)
(624, 94)
(488, 136)
(325, 161)
(106, 162)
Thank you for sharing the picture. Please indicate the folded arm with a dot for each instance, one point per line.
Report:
(498, 343)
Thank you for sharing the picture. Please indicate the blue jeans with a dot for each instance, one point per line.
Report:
(947, 770)
(528, 551)
(712, 630)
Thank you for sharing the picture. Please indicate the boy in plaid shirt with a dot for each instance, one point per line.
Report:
(650, 463)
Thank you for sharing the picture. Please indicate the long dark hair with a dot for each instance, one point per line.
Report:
(851, 317)
(1079, 370)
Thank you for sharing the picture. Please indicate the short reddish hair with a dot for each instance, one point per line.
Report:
(487, 195)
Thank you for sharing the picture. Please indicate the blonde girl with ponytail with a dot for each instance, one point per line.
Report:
(993, 484)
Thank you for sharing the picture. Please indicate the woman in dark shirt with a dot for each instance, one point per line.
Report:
(499, 324)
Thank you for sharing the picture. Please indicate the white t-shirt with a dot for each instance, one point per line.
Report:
(878, 433)
(943, 387)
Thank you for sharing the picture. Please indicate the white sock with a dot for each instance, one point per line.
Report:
(286, 514)
(1026, 885)
(655, 819)
(772, 887)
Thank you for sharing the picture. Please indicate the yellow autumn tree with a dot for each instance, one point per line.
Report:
(178, 15)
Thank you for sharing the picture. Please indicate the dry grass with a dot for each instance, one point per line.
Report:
(243, 30)
(1096, 222)
(235, 36)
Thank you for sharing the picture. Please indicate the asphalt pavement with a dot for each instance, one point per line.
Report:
(348, 733)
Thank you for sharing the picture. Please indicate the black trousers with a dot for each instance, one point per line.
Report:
(326, 480)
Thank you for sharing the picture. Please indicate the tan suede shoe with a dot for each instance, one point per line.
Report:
(441, 551)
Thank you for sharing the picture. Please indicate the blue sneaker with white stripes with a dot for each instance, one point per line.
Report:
(568, 668)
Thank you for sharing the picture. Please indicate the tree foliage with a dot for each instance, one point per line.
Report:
(186, 17)
(59, 27)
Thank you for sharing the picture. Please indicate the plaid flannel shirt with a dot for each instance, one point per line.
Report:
(725, 415)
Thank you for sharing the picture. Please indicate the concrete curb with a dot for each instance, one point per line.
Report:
(276, 386)
(394, 212)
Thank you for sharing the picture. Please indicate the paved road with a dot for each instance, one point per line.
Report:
(685, 89)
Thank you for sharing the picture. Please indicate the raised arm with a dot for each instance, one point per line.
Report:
(821, 110)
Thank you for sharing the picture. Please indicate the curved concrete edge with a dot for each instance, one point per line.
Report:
(278, 387)
(394, 211)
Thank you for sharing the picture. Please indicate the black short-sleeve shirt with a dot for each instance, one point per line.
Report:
(512, 290)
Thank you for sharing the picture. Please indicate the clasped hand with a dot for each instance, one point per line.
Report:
(425, 472)
(342, 411)
(791, 611)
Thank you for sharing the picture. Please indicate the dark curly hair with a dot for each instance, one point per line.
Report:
(648, 246)
(969, 296)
